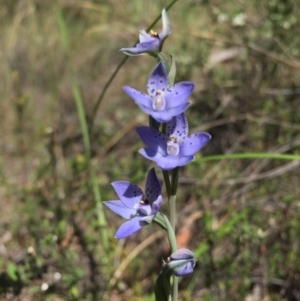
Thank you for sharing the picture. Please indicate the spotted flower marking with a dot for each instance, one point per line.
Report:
(175, 148)
(162, 102)
(138, 207)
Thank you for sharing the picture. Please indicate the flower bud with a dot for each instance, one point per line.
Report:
(182, 262)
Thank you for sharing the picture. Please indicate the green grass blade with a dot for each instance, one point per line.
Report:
(82, 119)
(63, 32)
(249, 156)
(87, 145)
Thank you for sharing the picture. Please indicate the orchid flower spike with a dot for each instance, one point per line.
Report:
(162, 102)
(134, 205)
(176, 148)
(182, 262)
(152, 42)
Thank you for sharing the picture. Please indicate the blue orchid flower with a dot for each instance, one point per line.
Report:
(182, 262)
(134, 205)
(162, 102)
(152, 42)
(176, 148)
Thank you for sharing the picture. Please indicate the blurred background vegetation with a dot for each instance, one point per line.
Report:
(241, 216)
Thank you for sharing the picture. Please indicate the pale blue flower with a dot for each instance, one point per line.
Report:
(175, 148)
(152, 42)
(134, 205)
(182, 262)
(162, 102)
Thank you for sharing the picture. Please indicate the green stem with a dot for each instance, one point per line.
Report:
(175, 174)
(167, 182)
(175, 288)
(159, 219)
(172, 198)
(172, 205)
(171, 234)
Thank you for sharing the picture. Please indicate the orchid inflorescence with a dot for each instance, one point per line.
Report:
(170, 148)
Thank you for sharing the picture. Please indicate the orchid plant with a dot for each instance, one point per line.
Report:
(168, 144)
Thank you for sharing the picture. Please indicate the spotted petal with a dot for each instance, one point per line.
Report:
(178, 94)
(129, 193)
(153, 187)
(194, 143)
(178, 127)
(152, 138)
(158, 80)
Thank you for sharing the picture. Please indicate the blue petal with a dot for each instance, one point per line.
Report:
(156, 205)
(167, 115)
(170, 162)
(141, 99)
(153, 139)
(151, 46)
(178, 127)
(132, 51)
(130, 227)
(153, 187)
(150, 154)
(185, 160)
(145, 37)
(193, 143)
(186, 269)
(145, 210)
(158, 80)
(178, 94)
(143, 48)
(129, 193)
(182, 254)
(119, 208)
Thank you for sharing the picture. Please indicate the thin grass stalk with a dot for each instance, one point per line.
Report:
(249, 156)
(93, 178)
(63, 30)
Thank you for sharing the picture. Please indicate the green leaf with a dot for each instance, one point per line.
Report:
(12, 271)
(162, 286)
